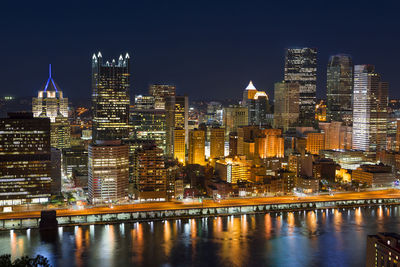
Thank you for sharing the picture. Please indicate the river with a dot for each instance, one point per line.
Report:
(314, 238)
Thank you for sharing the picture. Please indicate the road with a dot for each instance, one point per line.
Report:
(391, 193)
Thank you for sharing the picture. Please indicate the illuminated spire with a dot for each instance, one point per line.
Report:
(99, 54)
(250, 86)
(120, 57)
(94, 56)
(127, 56)
(50, 84)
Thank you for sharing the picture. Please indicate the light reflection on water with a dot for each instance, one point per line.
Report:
(333, 237)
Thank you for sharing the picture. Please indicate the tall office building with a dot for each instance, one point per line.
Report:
(150, 173)
(177, 108)
(301, 67)
(108, 170)
(257, 105)
(286, 108)
(179, 145)
(369, 109)
(160, 92)
(197, 141)
(217, 142)
(339, 88)
(110, 84)
(148, 123)
(25, 159)
(234, 117)
(50, 103)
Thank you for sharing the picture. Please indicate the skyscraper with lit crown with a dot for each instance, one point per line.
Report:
(257, 104)
(110, 84)
(51, 104)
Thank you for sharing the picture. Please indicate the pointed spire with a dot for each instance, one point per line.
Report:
(120, 57)
(127, 56)
(250, 86)
(94, 56)
(99, 54)
(49, 71)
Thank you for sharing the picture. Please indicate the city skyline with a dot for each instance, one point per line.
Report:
(223, 40)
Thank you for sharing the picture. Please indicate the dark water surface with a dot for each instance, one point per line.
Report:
(315, 238)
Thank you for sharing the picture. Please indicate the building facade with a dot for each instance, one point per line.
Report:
(217, 142)
(108, 170)
(234, 117)
(286, 108)
(110, 98)
(149, 123)
(340, 88)
(177, 108)
(25, 159)
(150, 173)
(160, 92)
(197, 143)
(301, 68)
(369, 109)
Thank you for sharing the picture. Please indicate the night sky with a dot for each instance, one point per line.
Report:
(208, 49)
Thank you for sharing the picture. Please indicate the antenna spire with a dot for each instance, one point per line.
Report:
(50, 70)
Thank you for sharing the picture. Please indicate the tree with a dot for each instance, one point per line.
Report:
(25, 261)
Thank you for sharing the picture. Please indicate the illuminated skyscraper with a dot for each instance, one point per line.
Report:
(110, 84)
(257, 104)
(179, 145)
(51, 104)
(217, 142)
(340, 88)
(197, 142)
(301, 67)
(177, 108)
(25, 159)
(286, 108)
(160, 92)
(108, 167)
(148, 123)
(369, 109)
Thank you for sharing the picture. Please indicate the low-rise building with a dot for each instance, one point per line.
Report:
(374, 175)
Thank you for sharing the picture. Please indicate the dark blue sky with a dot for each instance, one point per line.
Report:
(208, 49)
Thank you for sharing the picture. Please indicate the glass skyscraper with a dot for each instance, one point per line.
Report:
(340, 88)
(369, 109)
(110, 84)
(301, 67)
